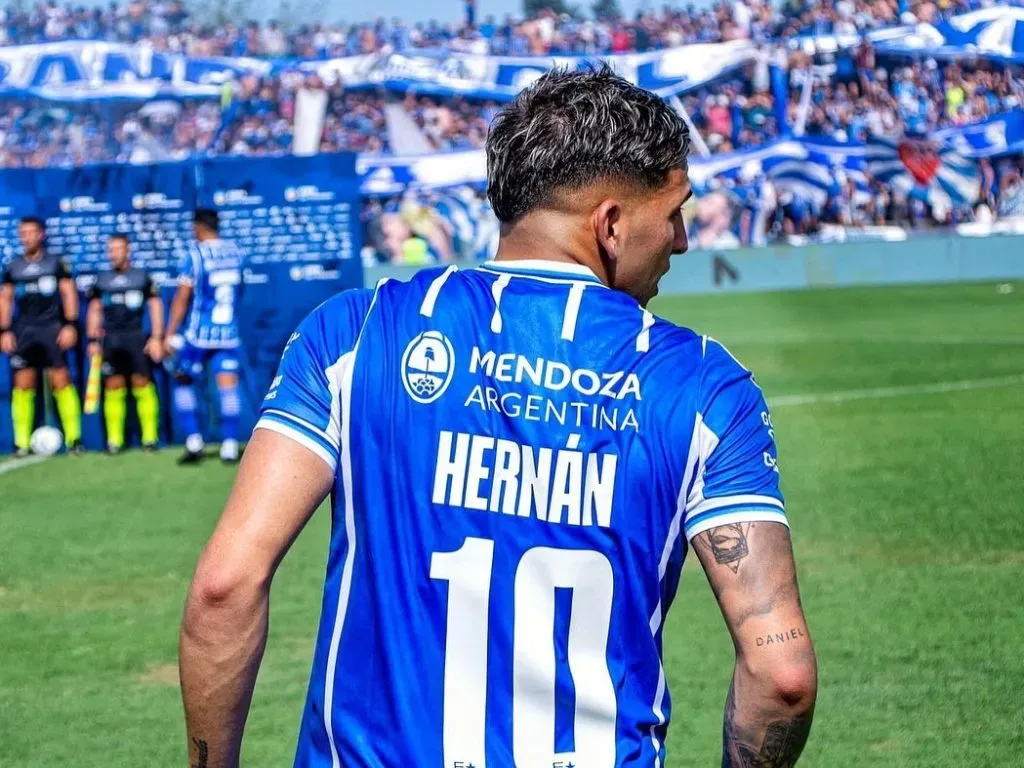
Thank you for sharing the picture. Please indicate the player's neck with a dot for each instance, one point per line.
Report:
(547, 241)
(35, 255)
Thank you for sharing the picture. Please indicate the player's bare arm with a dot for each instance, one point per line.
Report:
(770, 704)
(279, 486)
(155, 342)
(8, 343)
(94, 325)
(68, 336)
(179, 308)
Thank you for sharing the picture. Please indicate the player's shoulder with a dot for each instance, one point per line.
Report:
(394, 295)
(102, 280)
(688, 351)
(423, 279)
(671, 339)
(55, 262)
(337, 322)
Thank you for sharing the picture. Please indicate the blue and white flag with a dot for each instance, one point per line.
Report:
(810, 169)
(500, 78)
(992, 33)
(995, 137)
(944, 177)
(85, 71)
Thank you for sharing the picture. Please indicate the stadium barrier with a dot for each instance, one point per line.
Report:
(927, 259)
(296, 217)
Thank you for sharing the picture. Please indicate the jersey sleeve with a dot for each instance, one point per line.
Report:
(63, 269)
(737, 477)
(303, 402)
(94, 291)
(149, 289)
(6, 278)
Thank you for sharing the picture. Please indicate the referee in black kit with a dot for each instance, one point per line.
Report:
(39, 285)
(118, 302)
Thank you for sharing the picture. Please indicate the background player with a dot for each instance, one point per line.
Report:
(209, 288)
(556, 445)
(114, 324)
(39, 285)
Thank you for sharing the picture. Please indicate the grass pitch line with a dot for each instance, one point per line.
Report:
(878, 393)
(28, 461)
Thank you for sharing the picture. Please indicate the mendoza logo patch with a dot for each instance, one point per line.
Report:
(427, 366)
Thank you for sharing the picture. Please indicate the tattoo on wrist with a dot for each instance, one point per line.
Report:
(728, 543)
(781, 746)
(202, 754)
(780, 637)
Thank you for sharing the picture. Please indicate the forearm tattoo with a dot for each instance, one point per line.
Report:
(782, 744)
(202, 754)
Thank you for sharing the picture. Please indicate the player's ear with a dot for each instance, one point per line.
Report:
(608, 226)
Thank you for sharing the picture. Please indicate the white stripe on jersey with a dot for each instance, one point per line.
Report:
(497, 288)
(693, 461)
(343, 373)
(572, 310)
(643, 340)
(297, 436)
(427, 308)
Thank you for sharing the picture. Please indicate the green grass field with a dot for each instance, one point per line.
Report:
(906, 513)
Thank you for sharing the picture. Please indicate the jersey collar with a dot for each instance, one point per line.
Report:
(542, 268)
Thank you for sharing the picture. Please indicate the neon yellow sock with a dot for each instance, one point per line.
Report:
(115, 411)
(70, 409)
(148, 406)
(23, 414)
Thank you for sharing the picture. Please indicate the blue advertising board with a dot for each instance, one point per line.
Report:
(296, 218)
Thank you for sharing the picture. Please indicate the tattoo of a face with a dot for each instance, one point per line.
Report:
(202, 754)
(783, 741)
(728, 543)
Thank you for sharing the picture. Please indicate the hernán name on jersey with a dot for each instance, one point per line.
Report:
(488, 474)
(511, 368)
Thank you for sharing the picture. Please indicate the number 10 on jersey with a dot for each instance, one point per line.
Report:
(541, 570)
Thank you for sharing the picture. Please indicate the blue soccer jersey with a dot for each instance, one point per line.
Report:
(521, 455)
(214, 270)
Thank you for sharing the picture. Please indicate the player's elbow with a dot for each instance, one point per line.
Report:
(223, 584)
(792, 683)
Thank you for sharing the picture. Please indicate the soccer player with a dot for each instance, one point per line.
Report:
(117, 304)
(209, 288)
(39, 284)
(516, 455)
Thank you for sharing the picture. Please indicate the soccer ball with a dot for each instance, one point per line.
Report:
(46, 441)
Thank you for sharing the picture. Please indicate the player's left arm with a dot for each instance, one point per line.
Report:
(736, 522)
(155, 342)
(224, 631)
(287, 471)
(182, 297)
(68, 336)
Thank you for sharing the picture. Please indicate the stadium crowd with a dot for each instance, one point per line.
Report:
(170, 25)
(255, 115)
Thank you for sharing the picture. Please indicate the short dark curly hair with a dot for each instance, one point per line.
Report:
(570, 129)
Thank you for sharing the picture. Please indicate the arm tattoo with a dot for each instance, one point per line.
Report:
(728, 543)
(781, 746)
(202, 753)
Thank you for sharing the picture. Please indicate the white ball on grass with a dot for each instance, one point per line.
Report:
(46, 441)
